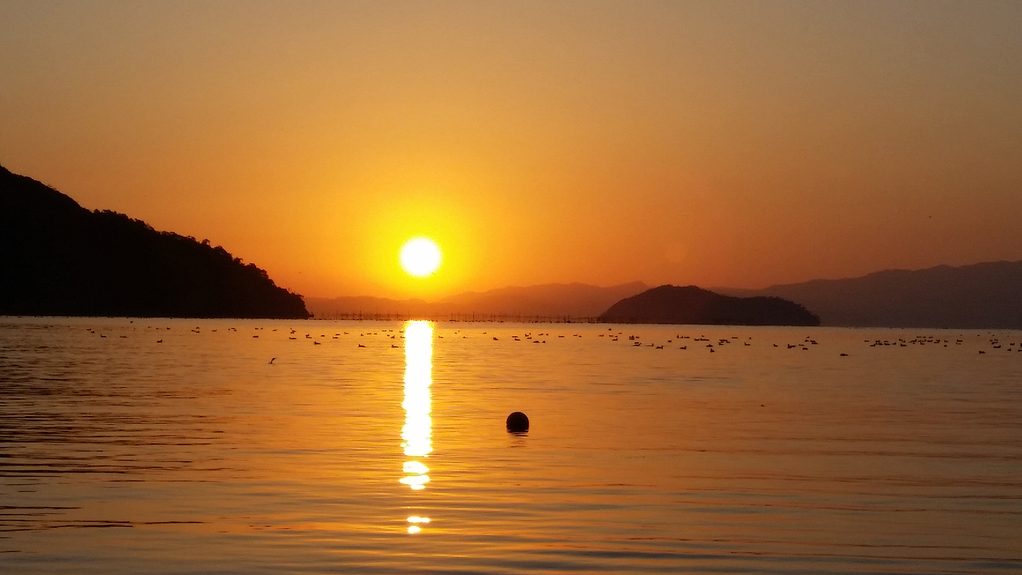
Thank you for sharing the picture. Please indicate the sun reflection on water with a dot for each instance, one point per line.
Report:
(417, 433)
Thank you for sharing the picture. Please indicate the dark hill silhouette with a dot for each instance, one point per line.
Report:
(58, 258)
(985, 295)
(692, 305)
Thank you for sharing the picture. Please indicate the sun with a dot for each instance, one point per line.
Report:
(420, 257)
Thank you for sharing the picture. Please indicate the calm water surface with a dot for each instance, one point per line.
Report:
(176, 446)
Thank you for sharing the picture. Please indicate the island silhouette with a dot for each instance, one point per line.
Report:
(693, 305)
(58, 258)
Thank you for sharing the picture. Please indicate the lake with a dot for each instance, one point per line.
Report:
(178, 446)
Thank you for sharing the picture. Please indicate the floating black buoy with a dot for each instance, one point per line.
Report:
(517, 422)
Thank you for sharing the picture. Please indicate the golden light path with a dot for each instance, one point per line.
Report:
(417, 433)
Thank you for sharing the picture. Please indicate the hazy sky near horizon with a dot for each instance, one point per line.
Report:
(735, 144)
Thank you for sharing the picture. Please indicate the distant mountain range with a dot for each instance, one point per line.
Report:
(58, 258)
(541, 302)
(692, 305)
(986, 295)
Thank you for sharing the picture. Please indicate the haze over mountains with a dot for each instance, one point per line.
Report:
(549, 301)
(985, 295)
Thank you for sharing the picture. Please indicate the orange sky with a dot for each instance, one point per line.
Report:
(722, 144)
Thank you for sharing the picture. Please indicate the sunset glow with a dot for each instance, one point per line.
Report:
(420, 257)
(597, 142)
(526, 286)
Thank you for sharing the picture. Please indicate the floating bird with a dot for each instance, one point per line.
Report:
(271, 360)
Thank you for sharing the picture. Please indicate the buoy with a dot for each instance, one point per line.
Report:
(517, 422)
